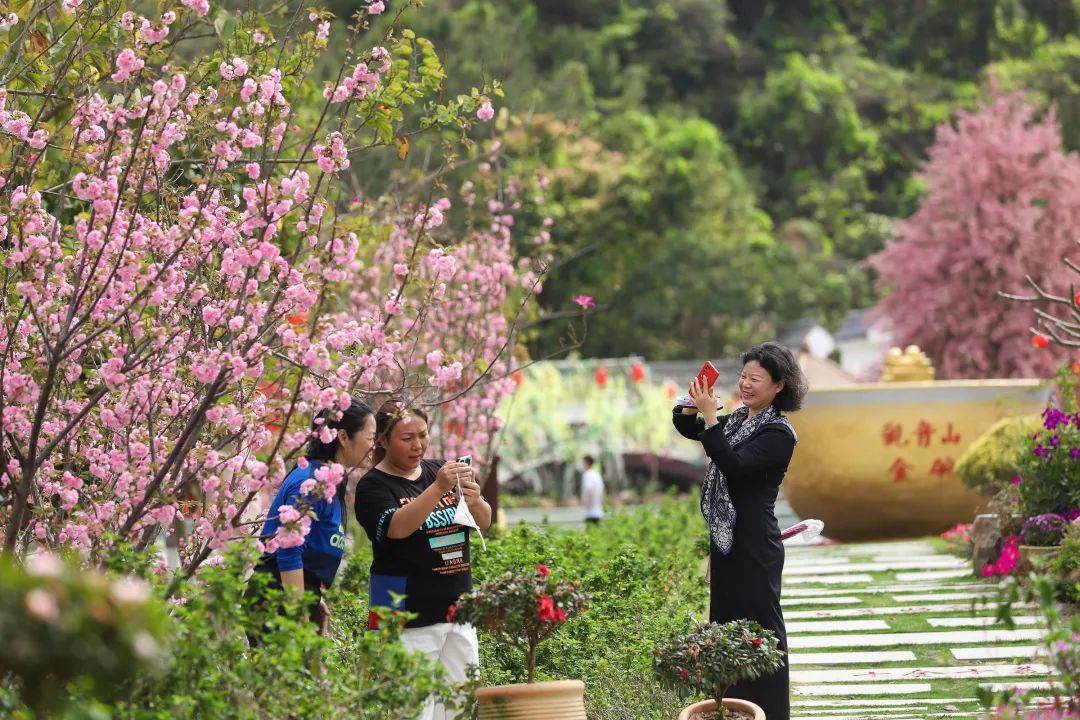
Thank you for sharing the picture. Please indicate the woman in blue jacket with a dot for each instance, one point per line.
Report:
(312, 565)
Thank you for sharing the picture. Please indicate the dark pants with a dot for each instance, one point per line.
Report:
(255, 596)
(747, 585)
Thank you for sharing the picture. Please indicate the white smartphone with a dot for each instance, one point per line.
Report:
(467, 459)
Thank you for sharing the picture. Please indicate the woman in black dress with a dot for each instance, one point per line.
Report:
(748, 453)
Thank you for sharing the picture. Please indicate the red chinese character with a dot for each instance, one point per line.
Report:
(893, 434)
(942, 467)
(925, 433)
(899, 470)
(950, 437)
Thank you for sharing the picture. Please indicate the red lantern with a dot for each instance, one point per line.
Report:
(518, 378)
(601, 376)
(637, 372)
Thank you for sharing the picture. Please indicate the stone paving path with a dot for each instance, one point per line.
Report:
(898, 631)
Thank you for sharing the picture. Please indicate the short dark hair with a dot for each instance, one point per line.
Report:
(350, 420)
(589, 459)
(781, 364)
(389, 414)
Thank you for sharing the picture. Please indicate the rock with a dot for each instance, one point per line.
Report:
(986, 541)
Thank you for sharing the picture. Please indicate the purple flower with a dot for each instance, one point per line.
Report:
(1045, 529)
(1052, 417)
(1016, 480)
(1074, 453)
(1055, 441)
(1041, 451)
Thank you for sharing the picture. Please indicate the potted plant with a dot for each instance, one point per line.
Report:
(1040, 539)
(711, 658)
(523, 610)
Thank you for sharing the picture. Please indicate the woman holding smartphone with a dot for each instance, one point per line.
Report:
(406, 504)
(748, 453)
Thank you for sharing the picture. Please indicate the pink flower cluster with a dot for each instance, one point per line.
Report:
(361, 81)
(333, 156)
(1006, 562)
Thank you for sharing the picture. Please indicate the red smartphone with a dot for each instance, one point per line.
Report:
(708, 373)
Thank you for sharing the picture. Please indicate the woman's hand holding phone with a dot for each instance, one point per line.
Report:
(704, 400)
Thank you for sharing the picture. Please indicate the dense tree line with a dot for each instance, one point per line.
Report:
(718, 168)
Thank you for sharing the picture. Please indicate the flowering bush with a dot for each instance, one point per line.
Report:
(1047, 529)
(1061, 647)
(186, 285)
(521, 610)
(1006, 562)
(958, 536)
(1049, 470)
(714, 656)
(60, 624)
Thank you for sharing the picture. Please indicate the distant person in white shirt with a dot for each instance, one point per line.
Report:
(592, 491)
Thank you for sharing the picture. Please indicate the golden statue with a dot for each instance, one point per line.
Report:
(907, 366)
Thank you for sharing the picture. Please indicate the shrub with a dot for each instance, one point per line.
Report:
(350, 674)
(646, 564)
(1061, 645)
(1050, 469)
(521, 610)
(1045, 530)
(1065, 568)
(714, 656)
(990, 462)
(63, 625)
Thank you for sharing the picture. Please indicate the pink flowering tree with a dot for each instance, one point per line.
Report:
(1003, 204)
(183, 288)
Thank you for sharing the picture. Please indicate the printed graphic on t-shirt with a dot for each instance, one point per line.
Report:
(445, 538)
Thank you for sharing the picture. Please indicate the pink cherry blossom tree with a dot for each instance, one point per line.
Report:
(1003, 203)
(183, 287)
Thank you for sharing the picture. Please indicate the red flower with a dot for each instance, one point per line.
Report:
(1040, 341)
(542, 570)
(547, 609)
(757, 642)
(451, 611)
(560, 616)
(683, 672)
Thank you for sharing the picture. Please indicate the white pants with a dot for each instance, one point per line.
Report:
(453, 645)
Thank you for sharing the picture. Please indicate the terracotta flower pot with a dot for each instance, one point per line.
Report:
(557, 700)
(730, 703)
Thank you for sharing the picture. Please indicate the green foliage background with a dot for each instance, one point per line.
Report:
(718, 168)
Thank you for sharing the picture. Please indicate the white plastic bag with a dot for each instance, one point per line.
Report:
(464, 516)
(807, 530)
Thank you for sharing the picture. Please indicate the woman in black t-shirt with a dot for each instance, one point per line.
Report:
(421, 563)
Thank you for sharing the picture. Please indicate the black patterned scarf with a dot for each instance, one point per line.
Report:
(716, 503)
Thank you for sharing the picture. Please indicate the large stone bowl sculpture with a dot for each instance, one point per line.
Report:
(877, 460)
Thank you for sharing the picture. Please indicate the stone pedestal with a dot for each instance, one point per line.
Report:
(986, 540)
